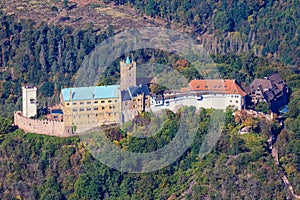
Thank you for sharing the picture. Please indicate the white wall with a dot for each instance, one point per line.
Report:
(29, 107)
(217, 101)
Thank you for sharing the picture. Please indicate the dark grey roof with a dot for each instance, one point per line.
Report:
(247, 89)
(275, 78)
(29, 86)
(144, 80)
(269, 96)
(137, 90)
(134, 91)
(272, 87)
(125, 95)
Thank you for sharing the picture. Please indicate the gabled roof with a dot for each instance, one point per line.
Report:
(125, 95)
(134, 91)
(217, 85)
(90, 93)
(272, 87)
(262, 83)
(144, 80)
(275, 78)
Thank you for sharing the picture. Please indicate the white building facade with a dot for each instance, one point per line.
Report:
(217, 94)
(29, 101)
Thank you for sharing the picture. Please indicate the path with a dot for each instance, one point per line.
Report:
(284, 178)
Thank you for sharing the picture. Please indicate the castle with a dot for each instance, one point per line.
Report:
(83, 108)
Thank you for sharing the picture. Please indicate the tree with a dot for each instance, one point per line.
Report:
(5, 125)
(262, 107)
(47, 89)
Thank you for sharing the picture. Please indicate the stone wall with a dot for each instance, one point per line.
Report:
(45, 127)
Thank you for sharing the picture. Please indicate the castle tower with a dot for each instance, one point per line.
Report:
(29, 101)
(128, 74)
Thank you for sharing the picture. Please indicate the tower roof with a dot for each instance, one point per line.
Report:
(128, 60)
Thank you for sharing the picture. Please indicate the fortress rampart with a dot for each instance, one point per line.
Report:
(45, 127)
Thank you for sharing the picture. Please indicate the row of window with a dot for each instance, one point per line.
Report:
(89, 109)
(95, 102)
(109, 114)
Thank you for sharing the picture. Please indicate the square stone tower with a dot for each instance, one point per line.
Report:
(29, 101)
(128, 74)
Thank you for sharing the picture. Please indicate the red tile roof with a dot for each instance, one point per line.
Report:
(217, 85)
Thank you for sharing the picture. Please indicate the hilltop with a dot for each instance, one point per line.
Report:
(78, 14)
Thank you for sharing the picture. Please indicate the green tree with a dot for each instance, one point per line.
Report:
(47, 89)
(262, 107)
(5, 125)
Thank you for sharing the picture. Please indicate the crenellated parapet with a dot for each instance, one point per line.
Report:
(40, 126)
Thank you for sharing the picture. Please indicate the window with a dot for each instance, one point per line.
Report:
(95, 108)
(81, 103)
(74, 110)
(102, 101)
(68, 104)
(236, 101)
(88, 102)
(103, 108)
(74, 103)
(116, 100)
(109, 101)
(88, 109)
(81, 109)
(95, 101)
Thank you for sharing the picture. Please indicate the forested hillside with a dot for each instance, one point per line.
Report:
(45, 43)
(266, 27)
(240, 166)
(47, 56)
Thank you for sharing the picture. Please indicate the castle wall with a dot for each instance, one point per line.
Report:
(45, 127)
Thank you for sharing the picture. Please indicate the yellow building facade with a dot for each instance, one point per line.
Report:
(82, 113)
